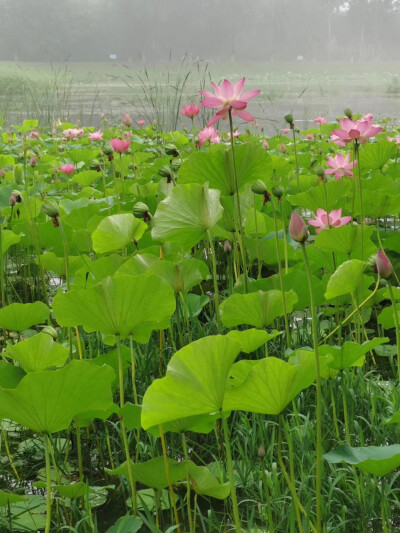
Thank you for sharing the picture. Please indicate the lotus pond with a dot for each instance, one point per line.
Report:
(199, 330)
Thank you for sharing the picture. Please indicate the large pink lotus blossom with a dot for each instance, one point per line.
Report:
(208, 134)
(73, 133)
(335, 220)
(190, 110)
(320, 120)
(351, 130)
(229, 97)
(67, 169)
(120, 146)
(340, 166)
(96, 136)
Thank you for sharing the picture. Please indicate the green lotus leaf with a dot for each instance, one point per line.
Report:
(350, 353)
(74, 490)
(95, 271)
(374, 155)
(138, 264)
(346, 240)
(10, 375)
(257, 309)
(126, 524)
(215, 167)
(7, 239)
(386, 316)
(204, 483)
(38, 353)
(87, 177)
(347, 279)
(186, 215)
(116, 232)
(251, 339)
(124, 305)
(376, 460)
(18, 317)
(181, 276)
(314, 197)
(270, 385)
(8, 497)
(131, 415)
(198, 424)
(195, 382)
(47, 401)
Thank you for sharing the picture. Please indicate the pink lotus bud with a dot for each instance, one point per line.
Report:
(127, 120)
(286, 130)
(12, 200)
(227, 247)
(298, 228)
(2, 172)
(265, 144)
(309, 136)
(282, 148)
(142, 122)
(383, 265)
(32, 161)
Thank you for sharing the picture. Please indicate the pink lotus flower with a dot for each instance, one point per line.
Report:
(96, 136)
(34, 135)
(73, 133)
(190, 110)
(320, 120)
(368, 116)
(286, 130)
(67, 169)
(298, 228)
(394, 139)
(127, 120)
(309, 136)
(265, 144)
(340, 166)
(335, 220)
(351, 130)
(140, 123)
(282, 148)
(383, 265)
(235, 134)
(120, 146)
(228, 97)
(208, 134)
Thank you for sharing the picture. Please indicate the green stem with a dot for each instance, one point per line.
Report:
(396, 323)
(357, 155)
(48, 484)
(259, 263)
(319, 464)
(188, 503)
(9, 456)
(230, 472)
(215, 280)
(171, 488)
(295, 158)
(239, 217)
(123, 429)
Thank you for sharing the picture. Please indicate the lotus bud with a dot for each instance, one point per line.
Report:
(227, 247)
(277, 191)
(289, 118)
(383, 265)
(141, 210)
(298, 228)
(50, 331)
(2, 172)
(32, 161)
(259, 187)
(165, 172)
(320, 171)
(12, 201)
(171, 149)
(282, 148)
(176, 164)
(348, 113)
(261, 451)
(265, 144)
(50, 208)
(61, 149)
(127, 120)
(18, 196)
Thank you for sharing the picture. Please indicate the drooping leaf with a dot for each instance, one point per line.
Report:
(116, 232)
(186, 215)
(7, 239)
(9, 497)
(126, 524)
(47, 401)
(376, 460)
(257, 309)
(10, 375)
(38, 353)
(18, 317)
(346, 279)
(121, 306)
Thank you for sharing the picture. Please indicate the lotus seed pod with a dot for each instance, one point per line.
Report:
(277, 191)
(171, 149)
(348, 113)
(383, 265)
(108, 149)
(18, 196)
(141, 210)
(165, 171)
(50, 208)
(289, 118)
(320, 171)
(259, 187)
(176, 164)
(49, 330)
(298, 228)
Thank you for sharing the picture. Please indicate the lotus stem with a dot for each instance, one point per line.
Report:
(171, 488)
(295, 158)
(216, 290)
(188, 503)
(397, 325)
(319, 465)
(229, 463)
(48, 484)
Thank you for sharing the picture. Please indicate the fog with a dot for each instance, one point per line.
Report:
(215, 30)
